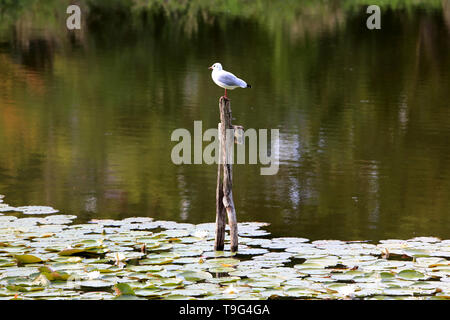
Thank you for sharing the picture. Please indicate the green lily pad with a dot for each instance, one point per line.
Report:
(398, 291)
(162, 247)
(190, 292)
(97, 283)
(145, 268)
(123, 289)
(37, 210)
(195, 275)
(178, 297)
(417, 253)
(221, 269)
(71, 251)
(411, 275)
(149, 292)
(156, 261)
(27, 259)
(387, 275)
(224, 280)
(300, 293)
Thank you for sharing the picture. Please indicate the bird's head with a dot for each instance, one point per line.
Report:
(216, 66)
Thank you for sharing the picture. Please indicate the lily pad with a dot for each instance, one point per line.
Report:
(96, 283)
(27, 259)
(195, 276)
(71, 251)
(37, 210)
(411, 275)
(123, 289)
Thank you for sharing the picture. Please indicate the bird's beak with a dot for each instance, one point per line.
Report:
(210, 68)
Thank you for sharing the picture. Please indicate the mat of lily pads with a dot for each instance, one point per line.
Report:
(44, 255)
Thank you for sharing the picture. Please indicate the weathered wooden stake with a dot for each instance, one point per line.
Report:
(224, 193)
(220, 209)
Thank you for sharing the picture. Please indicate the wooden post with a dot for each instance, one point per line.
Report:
(220, 209)
(224, 193)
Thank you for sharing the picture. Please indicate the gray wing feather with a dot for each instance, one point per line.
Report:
(230, 79)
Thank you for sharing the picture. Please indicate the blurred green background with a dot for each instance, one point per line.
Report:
(86, 116)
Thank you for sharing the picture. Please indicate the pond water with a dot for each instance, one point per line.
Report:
(48, 257)
(86, 117)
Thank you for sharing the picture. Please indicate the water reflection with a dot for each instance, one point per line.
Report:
(86, 118)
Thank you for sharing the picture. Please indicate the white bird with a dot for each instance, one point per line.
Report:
(226, 79)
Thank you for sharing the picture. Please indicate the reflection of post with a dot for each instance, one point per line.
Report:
(224, 193)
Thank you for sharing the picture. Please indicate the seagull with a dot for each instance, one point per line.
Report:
(226, 79)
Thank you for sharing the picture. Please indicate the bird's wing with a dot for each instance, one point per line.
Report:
(229, 79)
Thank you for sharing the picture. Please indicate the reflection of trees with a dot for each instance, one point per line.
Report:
(446, 10)
(15, 73)
(366, 118)
(35, 26)
(35, 54)
(13, 120)
(298, 18)
(93, 122)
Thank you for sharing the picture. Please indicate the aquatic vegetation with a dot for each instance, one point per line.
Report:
(49, 257)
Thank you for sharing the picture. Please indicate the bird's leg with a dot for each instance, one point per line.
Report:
(226, 93)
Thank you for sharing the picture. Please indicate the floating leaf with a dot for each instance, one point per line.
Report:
(178, 297)
(190, 292)
(149, 292)
(96, 283)
(37, 210)
(195, 275)
(16, 288)
(417, 253)
(387, 275)
(41, 280)
(157, 261)
(27, 259)
(123, 289)
(221, 269)
(398, 291)
(71, 251)
(224, 280)
(411, 275)
(145, 268)
(301, 293)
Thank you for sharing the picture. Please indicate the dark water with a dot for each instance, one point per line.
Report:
(364, 120)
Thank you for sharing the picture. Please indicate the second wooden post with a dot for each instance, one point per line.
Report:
(224, 190)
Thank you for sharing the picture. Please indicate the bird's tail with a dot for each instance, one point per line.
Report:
(248, 86)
